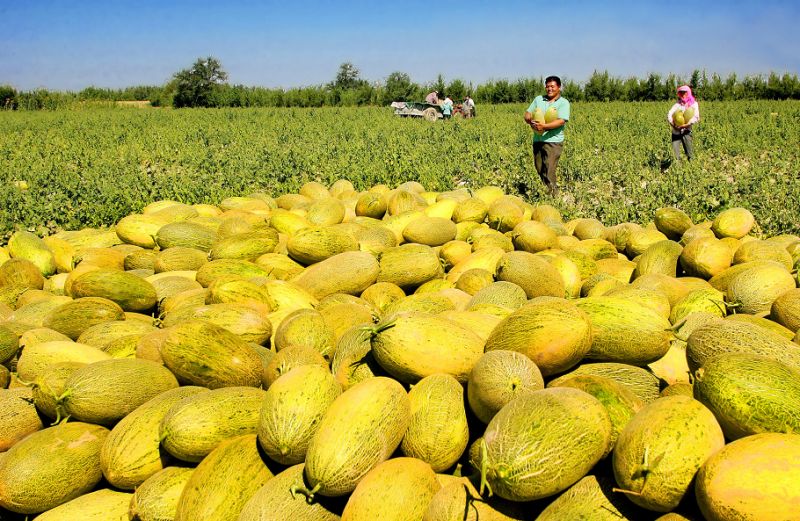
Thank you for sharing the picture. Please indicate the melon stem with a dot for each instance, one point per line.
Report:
(309, 494)
(484, 469)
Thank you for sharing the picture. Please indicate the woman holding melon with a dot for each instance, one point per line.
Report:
(547, 116)
(681, 117)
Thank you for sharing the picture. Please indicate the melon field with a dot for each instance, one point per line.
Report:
(336, 314)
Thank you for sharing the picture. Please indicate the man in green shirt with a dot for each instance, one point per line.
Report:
(548, 135)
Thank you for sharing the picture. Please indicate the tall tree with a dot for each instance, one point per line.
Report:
(194, 87)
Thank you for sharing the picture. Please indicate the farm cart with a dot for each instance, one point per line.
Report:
(417, 109)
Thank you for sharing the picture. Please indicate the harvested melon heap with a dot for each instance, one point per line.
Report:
(399, 354)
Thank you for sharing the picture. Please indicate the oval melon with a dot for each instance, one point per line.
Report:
(662, 447)
(497, 378)
(157, 498)
(395, 490)
(750, 394)
(50, 467)
(18, 416)
(362, 428)
(292, 408)
(197, 424)
(101, 505)
(131, 452)
(752, 478)
(527, 460)
(437, 431)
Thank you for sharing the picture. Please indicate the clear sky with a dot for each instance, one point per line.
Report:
(70, 45)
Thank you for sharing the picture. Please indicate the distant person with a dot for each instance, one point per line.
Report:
(447, 107)
(432, 98)
(681, 125)
(468, 107)
(548, 135)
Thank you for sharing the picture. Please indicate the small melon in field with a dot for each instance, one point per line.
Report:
(672, 222)
(397, 489)
(349, 272)
(326, 212)
(437, 432)
(752, 478)
(371, 204)
(588, 229)
(317, 244)
(640, 381)
(26, 245)
(383, 294)
(527, 460)
(470, 210)
(51, 467)
(73, 318)
(499, 377)
(305, 327)
(763, 251)
(505, 213)
(224, 481)
(733, 222)
(35, 359)
(433, 231)
(178, 258)
(22, 273)
(554, 334)
(640, 240)
(190, 235)
(660, 450)
(533, 236)
(409, 266)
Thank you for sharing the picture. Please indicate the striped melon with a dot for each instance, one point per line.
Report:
(18, 416)
(672, 222)
(498, 377)
(224, 481)
(413, 345)
(395, 490)
(661, 257)
(130, 453)
(752, 478)
(750, 394)
(245, 246)
(349, 272)
(50, 467)
(201, 353)
(36, 358)
(292, 409)
(313, 245)
(641, 382)
(532, 273)
(362, 428)
(73, 318)
(658, 453)
(753, 291)
(105, 392)
(305, 327)
(625, 331)
(178, 258)
(101, 505)
(22, 273)
(49, 386)
(705, 257)
(431, 231)
(409, 266)
(289, 358)
(140, 229)
(785, 310)
(277, 500)
(733, 222)
(187, 234)
(157, 498)
(553, 333)
(26, 245)
(726, 336)
(437, 431)
(197, 424)
(279, 266)
(525, 460)
(229, 268)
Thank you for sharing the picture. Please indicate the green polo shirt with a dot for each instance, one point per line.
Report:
(555, 135)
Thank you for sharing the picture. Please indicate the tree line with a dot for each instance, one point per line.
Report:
(205, 84)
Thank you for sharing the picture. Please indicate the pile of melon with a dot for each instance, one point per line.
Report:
(399, 354)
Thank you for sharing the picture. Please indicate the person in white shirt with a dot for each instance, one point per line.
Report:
(682, 130)
(468, 107)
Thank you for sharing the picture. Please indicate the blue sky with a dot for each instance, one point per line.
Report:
(69, 45)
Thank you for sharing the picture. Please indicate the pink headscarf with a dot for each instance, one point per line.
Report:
(687, 100)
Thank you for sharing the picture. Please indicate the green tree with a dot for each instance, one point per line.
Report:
(456, 90)
(348, 77)
(195, 87)
(8, 97)
(399, 87)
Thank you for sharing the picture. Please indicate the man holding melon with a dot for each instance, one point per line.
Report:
(547, 116)
(681, 117)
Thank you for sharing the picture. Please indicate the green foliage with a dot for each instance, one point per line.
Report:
(198, 85)
(91, 167)
(8, 97)
(399, 87)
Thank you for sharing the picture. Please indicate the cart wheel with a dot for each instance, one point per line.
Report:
(430, 114)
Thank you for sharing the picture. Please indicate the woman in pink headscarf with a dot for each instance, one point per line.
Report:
(682, 125)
